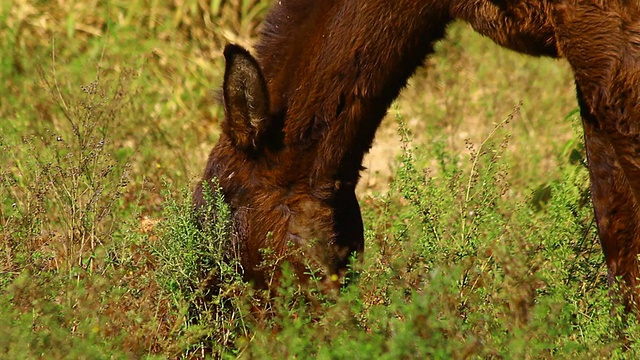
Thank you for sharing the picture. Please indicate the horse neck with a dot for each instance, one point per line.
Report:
(334, 69)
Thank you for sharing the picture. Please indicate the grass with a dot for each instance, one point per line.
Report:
(480, 236)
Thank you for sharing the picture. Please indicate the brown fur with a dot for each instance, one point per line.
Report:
(601, 41)
(300, 118)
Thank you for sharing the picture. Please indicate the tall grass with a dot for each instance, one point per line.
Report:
(480, 241)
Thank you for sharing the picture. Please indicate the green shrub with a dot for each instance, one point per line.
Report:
(198, 270)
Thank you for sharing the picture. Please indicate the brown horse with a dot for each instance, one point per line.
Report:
(300, 118)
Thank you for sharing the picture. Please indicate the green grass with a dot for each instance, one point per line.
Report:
(480, 240)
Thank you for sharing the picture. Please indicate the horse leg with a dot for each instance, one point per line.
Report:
(595, 37)
(616, 208)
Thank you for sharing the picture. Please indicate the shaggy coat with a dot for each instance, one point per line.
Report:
(301, 115)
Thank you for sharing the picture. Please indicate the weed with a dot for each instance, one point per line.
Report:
(198, 268)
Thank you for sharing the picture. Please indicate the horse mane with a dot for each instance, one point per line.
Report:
(285, 32)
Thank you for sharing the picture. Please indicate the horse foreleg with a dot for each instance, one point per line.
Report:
(616, 208)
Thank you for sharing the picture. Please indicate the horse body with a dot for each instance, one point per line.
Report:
(300, 117)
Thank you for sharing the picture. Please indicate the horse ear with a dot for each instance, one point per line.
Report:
(246, 99)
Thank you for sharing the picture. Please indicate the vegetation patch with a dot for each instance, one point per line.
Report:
(480, 234)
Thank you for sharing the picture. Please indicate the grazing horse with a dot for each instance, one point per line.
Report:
(301, 115)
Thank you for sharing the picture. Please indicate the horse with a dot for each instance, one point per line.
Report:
(301, 114)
